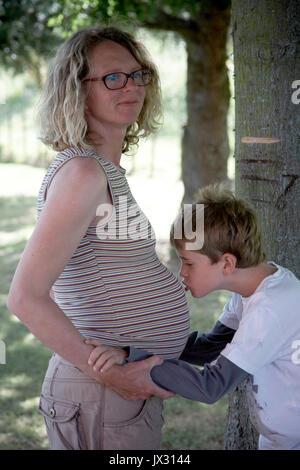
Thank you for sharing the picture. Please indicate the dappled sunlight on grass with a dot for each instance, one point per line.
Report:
(30, 404)
(21, 426)
(201, 426)
(18, 216)
(29, 338)
(206, 311)
(19, 179)
(12, 317)
(19, 380)
(8, 393)
(21, 234)
(25, 431)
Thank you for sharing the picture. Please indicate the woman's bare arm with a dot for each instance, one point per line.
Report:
(76, 191)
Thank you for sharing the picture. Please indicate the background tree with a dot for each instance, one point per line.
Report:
(266, 61)
(29, 29)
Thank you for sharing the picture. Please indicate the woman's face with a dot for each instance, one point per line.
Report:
(113, 107)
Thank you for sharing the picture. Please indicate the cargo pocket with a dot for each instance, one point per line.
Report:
(141, 432)
(63, 423)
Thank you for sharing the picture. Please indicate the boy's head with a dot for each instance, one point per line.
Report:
(230, 228)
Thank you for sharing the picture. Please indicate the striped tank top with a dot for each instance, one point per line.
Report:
(114, 288)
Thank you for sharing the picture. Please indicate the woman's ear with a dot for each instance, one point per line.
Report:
(229, 261)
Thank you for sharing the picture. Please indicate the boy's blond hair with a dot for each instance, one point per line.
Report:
(230, 226)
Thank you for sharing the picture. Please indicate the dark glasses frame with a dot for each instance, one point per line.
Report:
(126, 75)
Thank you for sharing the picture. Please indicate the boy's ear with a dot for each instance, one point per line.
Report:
(229, 261)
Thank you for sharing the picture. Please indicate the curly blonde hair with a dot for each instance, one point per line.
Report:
(61, 114)
(230, 226)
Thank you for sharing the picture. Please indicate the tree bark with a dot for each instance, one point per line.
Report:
(266, 58)
(266, 65)
(205, 147)
(240, 433)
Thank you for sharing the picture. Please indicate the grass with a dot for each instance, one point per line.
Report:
(188, 425)
(21, 427)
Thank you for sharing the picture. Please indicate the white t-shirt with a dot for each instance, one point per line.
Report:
(267, 345)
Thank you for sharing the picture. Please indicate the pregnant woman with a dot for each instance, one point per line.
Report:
(94, 249)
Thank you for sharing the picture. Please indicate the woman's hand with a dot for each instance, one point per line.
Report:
(103, 357)
(133, 381)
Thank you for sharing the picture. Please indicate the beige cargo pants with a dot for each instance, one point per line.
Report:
(81, 413)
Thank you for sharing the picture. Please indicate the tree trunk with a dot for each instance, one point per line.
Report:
(240, 433)
(266, 51)
(205, 147)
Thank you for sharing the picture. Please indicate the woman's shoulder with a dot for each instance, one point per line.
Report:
(73, 171)
(82, 173)
(81, 162)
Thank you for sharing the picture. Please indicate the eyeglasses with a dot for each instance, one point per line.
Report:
(117, 80)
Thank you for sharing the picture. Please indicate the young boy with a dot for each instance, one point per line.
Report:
(257, 336)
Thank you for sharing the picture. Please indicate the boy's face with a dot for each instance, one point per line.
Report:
(200, 276)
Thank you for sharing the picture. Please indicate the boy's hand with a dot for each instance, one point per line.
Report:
(103, 357)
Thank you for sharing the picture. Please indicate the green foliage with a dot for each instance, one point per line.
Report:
(127, 13)
(24, 33)
(135, 9)
(31, 29)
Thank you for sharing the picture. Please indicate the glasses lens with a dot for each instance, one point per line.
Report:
(142, 77)
(115, 80)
